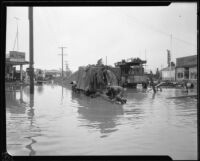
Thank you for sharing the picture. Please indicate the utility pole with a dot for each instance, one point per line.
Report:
(146, 61)
(17, 35)
(67, 66)
(170, 55)
(62, 58)
(31, 67)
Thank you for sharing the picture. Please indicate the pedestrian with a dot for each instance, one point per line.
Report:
(116, 93)
(152, 85)
(74, 85)
(186, 87)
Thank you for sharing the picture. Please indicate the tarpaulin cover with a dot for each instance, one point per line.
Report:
(91, 78)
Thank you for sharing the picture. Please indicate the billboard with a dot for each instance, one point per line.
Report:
(17, 56)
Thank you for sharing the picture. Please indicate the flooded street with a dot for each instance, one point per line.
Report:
(56, 121)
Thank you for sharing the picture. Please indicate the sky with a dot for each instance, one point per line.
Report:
(91, 33)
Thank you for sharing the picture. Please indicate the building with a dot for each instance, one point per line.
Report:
(52, 73)
(186, 68)
(14, 59)
(168, 73)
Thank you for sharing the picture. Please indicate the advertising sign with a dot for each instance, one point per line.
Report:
(17, 56)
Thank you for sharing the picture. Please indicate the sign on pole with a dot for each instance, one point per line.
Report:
(17, 56)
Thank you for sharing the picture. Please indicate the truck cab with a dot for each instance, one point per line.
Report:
(132, 72)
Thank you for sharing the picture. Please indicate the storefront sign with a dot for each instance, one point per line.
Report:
(17, 56)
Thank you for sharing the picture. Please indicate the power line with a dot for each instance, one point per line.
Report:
(186, 42)
(156, 29)
(50, 26)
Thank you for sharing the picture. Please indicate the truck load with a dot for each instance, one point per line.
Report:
(94, 80)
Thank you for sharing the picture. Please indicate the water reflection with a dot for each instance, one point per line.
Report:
(98, 114)
(34, 130)
(30, 111)
(15, 105)
(62, 94)
(153, 96)
(149, 123)
(29, 146)
(40, 89)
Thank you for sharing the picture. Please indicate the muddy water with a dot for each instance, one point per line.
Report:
(55, 121)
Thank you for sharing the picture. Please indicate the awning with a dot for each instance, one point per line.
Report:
(16, 63)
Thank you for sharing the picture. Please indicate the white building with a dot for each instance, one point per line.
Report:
(168, 73)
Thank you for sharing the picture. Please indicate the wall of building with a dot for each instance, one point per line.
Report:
(168, 75)
(180, 74)
(186, 68)
(193, 73)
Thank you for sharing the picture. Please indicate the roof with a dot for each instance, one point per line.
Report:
(8, 62)
(187, 61)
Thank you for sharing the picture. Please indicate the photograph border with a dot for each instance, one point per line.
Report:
(4, 4)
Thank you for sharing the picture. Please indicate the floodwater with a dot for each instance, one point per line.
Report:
(55, 121)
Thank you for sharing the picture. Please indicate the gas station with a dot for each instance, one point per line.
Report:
(13, 60)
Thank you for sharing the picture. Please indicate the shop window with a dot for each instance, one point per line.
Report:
(180, 75)
(193, 75)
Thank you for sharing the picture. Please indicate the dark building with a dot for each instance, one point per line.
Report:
(186, 68)
(14, 59)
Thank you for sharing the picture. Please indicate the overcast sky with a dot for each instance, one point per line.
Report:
(91, 33)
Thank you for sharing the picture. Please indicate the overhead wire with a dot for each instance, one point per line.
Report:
(49, 24)
(132, 18)
(154, 28)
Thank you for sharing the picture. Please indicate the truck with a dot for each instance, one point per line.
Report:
(39, 76)
(132, 72)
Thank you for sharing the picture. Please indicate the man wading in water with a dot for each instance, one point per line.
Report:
(116, 93)
(74, 85)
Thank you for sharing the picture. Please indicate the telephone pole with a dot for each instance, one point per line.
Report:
(146, 61)
(17, 35)
(31, 49)
(62, 58)
(66, 66)
(170, 55)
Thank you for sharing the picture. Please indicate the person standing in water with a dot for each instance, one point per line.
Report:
(116, 93)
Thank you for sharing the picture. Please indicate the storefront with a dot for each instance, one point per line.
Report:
(186, 68)
(13, 60)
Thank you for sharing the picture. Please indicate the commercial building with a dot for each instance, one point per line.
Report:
(186, 68)
(14, 59)
(53, 73)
